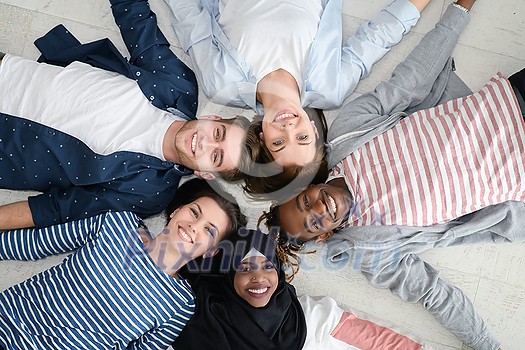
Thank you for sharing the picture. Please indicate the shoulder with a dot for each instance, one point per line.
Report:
(126, 218)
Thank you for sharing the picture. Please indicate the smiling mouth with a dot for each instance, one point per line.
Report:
(258, 291)
(331, 205)
(184, 235)
(284, 117)
(194, 143)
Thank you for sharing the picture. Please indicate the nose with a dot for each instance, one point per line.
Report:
(319, 207)
(287, 124)
(207, 144)
(257, 276)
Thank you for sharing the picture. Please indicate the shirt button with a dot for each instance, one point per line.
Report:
(137, 74)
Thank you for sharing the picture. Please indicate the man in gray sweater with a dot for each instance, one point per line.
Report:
(387, 252)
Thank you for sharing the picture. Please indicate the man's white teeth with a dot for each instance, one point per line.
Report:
(258, 291)
(284, 116)
(331, 203)
(194, 143)
(184, 235)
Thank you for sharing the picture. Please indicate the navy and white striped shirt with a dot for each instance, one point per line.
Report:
(109, 294)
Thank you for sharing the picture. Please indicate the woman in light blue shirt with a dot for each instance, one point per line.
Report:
(279, 57)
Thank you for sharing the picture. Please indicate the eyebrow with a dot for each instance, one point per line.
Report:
(223, 132)
(221, 155)
(199, 207)
(221, 158)
(305, 222)
(251, 263)
(298, 203)
(210, 223)
(306, 226)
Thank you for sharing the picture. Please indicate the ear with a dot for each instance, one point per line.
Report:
(324, 237)
(204, 175)
(261, 136)
(210, 253)
(210, 117)
(315, 129)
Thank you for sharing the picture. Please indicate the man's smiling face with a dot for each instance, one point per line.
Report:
(317, 210)
(209, 145)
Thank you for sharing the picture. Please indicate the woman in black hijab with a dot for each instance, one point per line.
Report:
(251, 306)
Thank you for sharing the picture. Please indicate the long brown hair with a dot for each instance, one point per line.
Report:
(269, 181)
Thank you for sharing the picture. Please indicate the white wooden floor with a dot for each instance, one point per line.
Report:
(492, 276)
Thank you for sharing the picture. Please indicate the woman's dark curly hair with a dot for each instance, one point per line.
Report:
(196, 188)
(288, 248)
(265, 180)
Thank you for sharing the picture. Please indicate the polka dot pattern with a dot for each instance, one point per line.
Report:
(75, 181)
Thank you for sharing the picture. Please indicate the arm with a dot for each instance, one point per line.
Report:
(138, 27)
(163, 78)
(331, 326)
(221, 72)
(427, 68)
(416, 281)
(413, 78)
(420, 4)
(16, 215)
(145, 194)
(386, 255)
(360, 52)
(161, 337)
(375, 38)
(32, 244)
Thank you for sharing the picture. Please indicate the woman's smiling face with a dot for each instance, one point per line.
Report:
(198, 226)
(256, 280)
(289, 135)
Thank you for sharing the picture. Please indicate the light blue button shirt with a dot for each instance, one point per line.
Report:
(332, 70)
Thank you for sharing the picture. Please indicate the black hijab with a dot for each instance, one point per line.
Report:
(225, 321)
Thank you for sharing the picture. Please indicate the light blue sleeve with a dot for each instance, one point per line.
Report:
(32, 244)
(335, 71)
(223, 75)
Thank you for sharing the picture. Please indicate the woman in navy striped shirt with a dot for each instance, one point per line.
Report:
(120, 288)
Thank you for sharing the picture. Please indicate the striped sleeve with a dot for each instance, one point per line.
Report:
(162, 337)
(37, 243)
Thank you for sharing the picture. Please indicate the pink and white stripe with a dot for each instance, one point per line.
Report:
(439, 164)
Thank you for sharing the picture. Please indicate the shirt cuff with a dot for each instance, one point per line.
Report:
(405, 12)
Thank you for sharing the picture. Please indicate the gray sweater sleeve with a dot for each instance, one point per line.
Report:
(416, 281)
(387, 256)
(422, 77)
